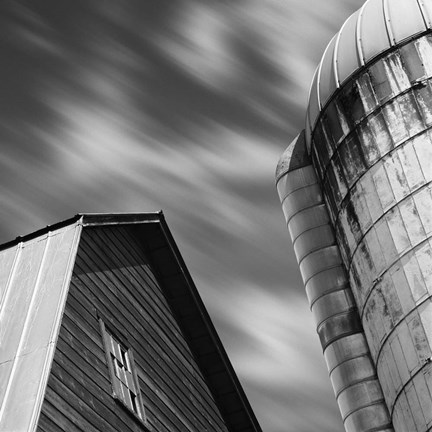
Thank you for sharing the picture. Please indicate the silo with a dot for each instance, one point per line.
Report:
(369, 141)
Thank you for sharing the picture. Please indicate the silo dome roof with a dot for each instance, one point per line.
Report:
(375, 28)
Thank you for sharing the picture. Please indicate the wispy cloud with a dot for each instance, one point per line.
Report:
(185, 106)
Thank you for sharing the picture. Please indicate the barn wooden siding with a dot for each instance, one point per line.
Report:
(113, 280)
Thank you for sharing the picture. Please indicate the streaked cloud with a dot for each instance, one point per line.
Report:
(185, 106)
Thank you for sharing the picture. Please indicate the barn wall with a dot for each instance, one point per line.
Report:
(112, 279)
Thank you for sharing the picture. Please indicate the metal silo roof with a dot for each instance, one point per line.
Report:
(375, 28)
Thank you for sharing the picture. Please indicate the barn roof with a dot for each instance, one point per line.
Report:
(30, 315)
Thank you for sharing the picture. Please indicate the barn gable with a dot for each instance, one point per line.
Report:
(119, 281)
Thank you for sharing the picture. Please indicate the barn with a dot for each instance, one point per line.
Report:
(103, 329)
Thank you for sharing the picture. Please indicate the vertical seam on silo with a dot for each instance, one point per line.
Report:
(425, 16)
(318, 86)
(389, 267)
(387, 337)
(335, 56)
(402, 390)
(358, 35)
(387, 21)
(312, 126)
(308, 134)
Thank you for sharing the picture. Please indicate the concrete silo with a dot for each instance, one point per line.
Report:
(355, 188)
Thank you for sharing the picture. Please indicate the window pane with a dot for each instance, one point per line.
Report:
(130, 381)
(123, 376)
(127, 397)
(135, 406)
(124, 358)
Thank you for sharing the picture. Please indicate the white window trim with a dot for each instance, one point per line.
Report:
(123, 375)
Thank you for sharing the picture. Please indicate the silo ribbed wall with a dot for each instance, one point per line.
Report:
(372, 149)
(352, 372)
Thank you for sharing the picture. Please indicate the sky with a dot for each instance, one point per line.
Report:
(184, 106)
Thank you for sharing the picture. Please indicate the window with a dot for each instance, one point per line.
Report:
(123, 373)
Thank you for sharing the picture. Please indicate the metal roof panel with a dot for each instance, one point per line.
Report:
(373, 32)
(405, 19)
(30, 313)
(327, 79)
(347, 55)
(314, 106)
(426, 8)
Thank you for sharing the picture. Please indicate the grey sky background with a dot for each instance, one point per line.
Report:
(184, 106)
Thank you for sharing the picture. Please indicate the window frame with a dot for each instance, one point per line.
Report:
(120, 359)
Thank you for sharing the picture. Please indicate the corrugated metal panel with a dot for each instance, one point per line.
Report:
(34, 288)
